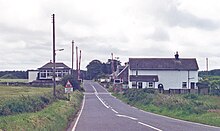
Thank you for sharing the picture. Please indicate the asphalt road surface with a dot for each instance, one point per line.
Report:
(103, 112)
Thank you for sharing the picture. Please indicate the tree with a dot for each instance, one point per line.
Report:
(72, 79)
(94, 69)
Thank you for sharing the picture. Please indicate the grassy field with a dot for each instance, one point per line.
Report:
(15, 91)
(55, 117)
(197, 108)
(14, 80)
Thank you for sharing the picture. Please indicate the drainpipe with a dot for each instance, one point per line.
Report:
(188, 79)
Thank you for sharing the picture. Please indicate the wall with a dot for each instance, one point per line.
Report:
(169, 79)
(32, 75)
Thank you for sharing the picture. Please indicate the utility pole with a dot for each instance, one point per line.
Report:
(72, 55)
(207, 65)
(80, 57)
(77, 65)
(113, 70)
(54, 64)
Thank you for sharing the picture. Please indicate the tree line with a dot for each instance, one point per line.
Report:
(97, 69)
(13, 75)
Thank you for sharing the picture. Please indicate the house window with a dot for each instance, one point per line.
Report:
(140, 85)
(184, 85)
(150, 84)
(43, 75)
(192, 85)
(134, 84)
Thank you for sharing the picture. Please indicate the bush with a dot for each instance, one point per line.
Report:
(72, 79)
(25, 104)
(191, 96)
(215, 92)
(55, 117)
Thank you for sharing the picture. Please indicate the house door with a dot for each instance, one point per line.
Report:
(192, 85)
(160, 86)
(140, 85)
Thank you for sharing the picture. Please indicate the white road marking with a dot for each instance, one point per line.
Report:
(101, 101)
(126, 116)
(94, 88)
(149, 126)
(104, 88)
(115, 111)
(77, 120)
(200, 124)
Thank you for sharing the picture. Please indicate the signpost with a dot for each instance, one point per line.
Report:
(68, 88)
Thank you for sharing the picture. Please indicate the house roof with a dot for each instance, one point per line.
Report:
(49, 65)
(163, 64)
(144, 78)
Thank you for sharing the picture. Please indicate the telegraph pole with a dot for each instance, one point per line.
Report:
(77, 65)
(80, 57)
(54, 64)
(72, 54)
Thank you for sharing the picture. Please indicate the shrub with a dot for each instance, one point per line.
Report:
(25, 104)
(72, 79)
(215, 92)
(191, 96)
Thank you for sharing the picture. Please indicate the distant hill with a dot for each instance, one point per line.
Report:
(13, 75)
(215, 72)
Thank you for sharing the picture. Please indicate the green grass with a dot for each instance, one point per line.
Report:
(197, 108)
(14, 80)
(7, 92)
(55, 117)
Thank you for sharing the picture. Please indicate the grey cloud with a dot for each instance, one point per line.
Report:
(159, 35)
(169, 12)
(156, 50)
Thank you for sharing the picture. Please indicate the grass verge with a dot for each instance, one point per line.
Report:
(54, 117)
(195, 108)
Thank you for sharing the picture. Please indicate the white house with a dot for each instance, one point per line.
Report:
(46, 72)
(166, 73)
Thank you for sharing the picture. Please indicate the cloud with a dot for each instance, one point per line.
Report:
(159, 34)
(169, 12)
(143, 28)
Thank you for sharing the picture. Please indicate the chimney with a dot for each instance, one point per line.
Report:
(177, 56)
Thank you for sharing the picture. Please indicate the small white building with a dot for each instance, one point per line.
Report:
(166, 73)
(45, 72)
(32, 75)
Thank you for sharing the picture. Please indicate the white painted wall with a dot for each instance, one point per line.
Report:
(32, 75)
(169, 79)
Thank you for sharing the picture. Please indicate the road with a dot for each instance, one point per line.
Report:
(103, 112)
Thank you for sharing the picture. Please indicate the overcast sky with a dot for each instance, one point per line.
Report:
(127, 28)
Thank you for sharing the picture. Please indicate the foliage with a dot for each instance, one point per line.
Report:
(72, 79)
(94, 68)
(55, 117)
(13, 104)
(213, 83)
(215, 72)
(8, 76)
(25, 104)
(13, 74)
(187, 107)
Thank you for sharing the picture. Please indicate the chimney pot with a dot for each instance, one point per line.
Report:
(177, 56)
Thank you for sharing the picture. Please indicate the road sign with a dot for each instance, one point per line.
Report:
(68, 90)
(68, 87)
